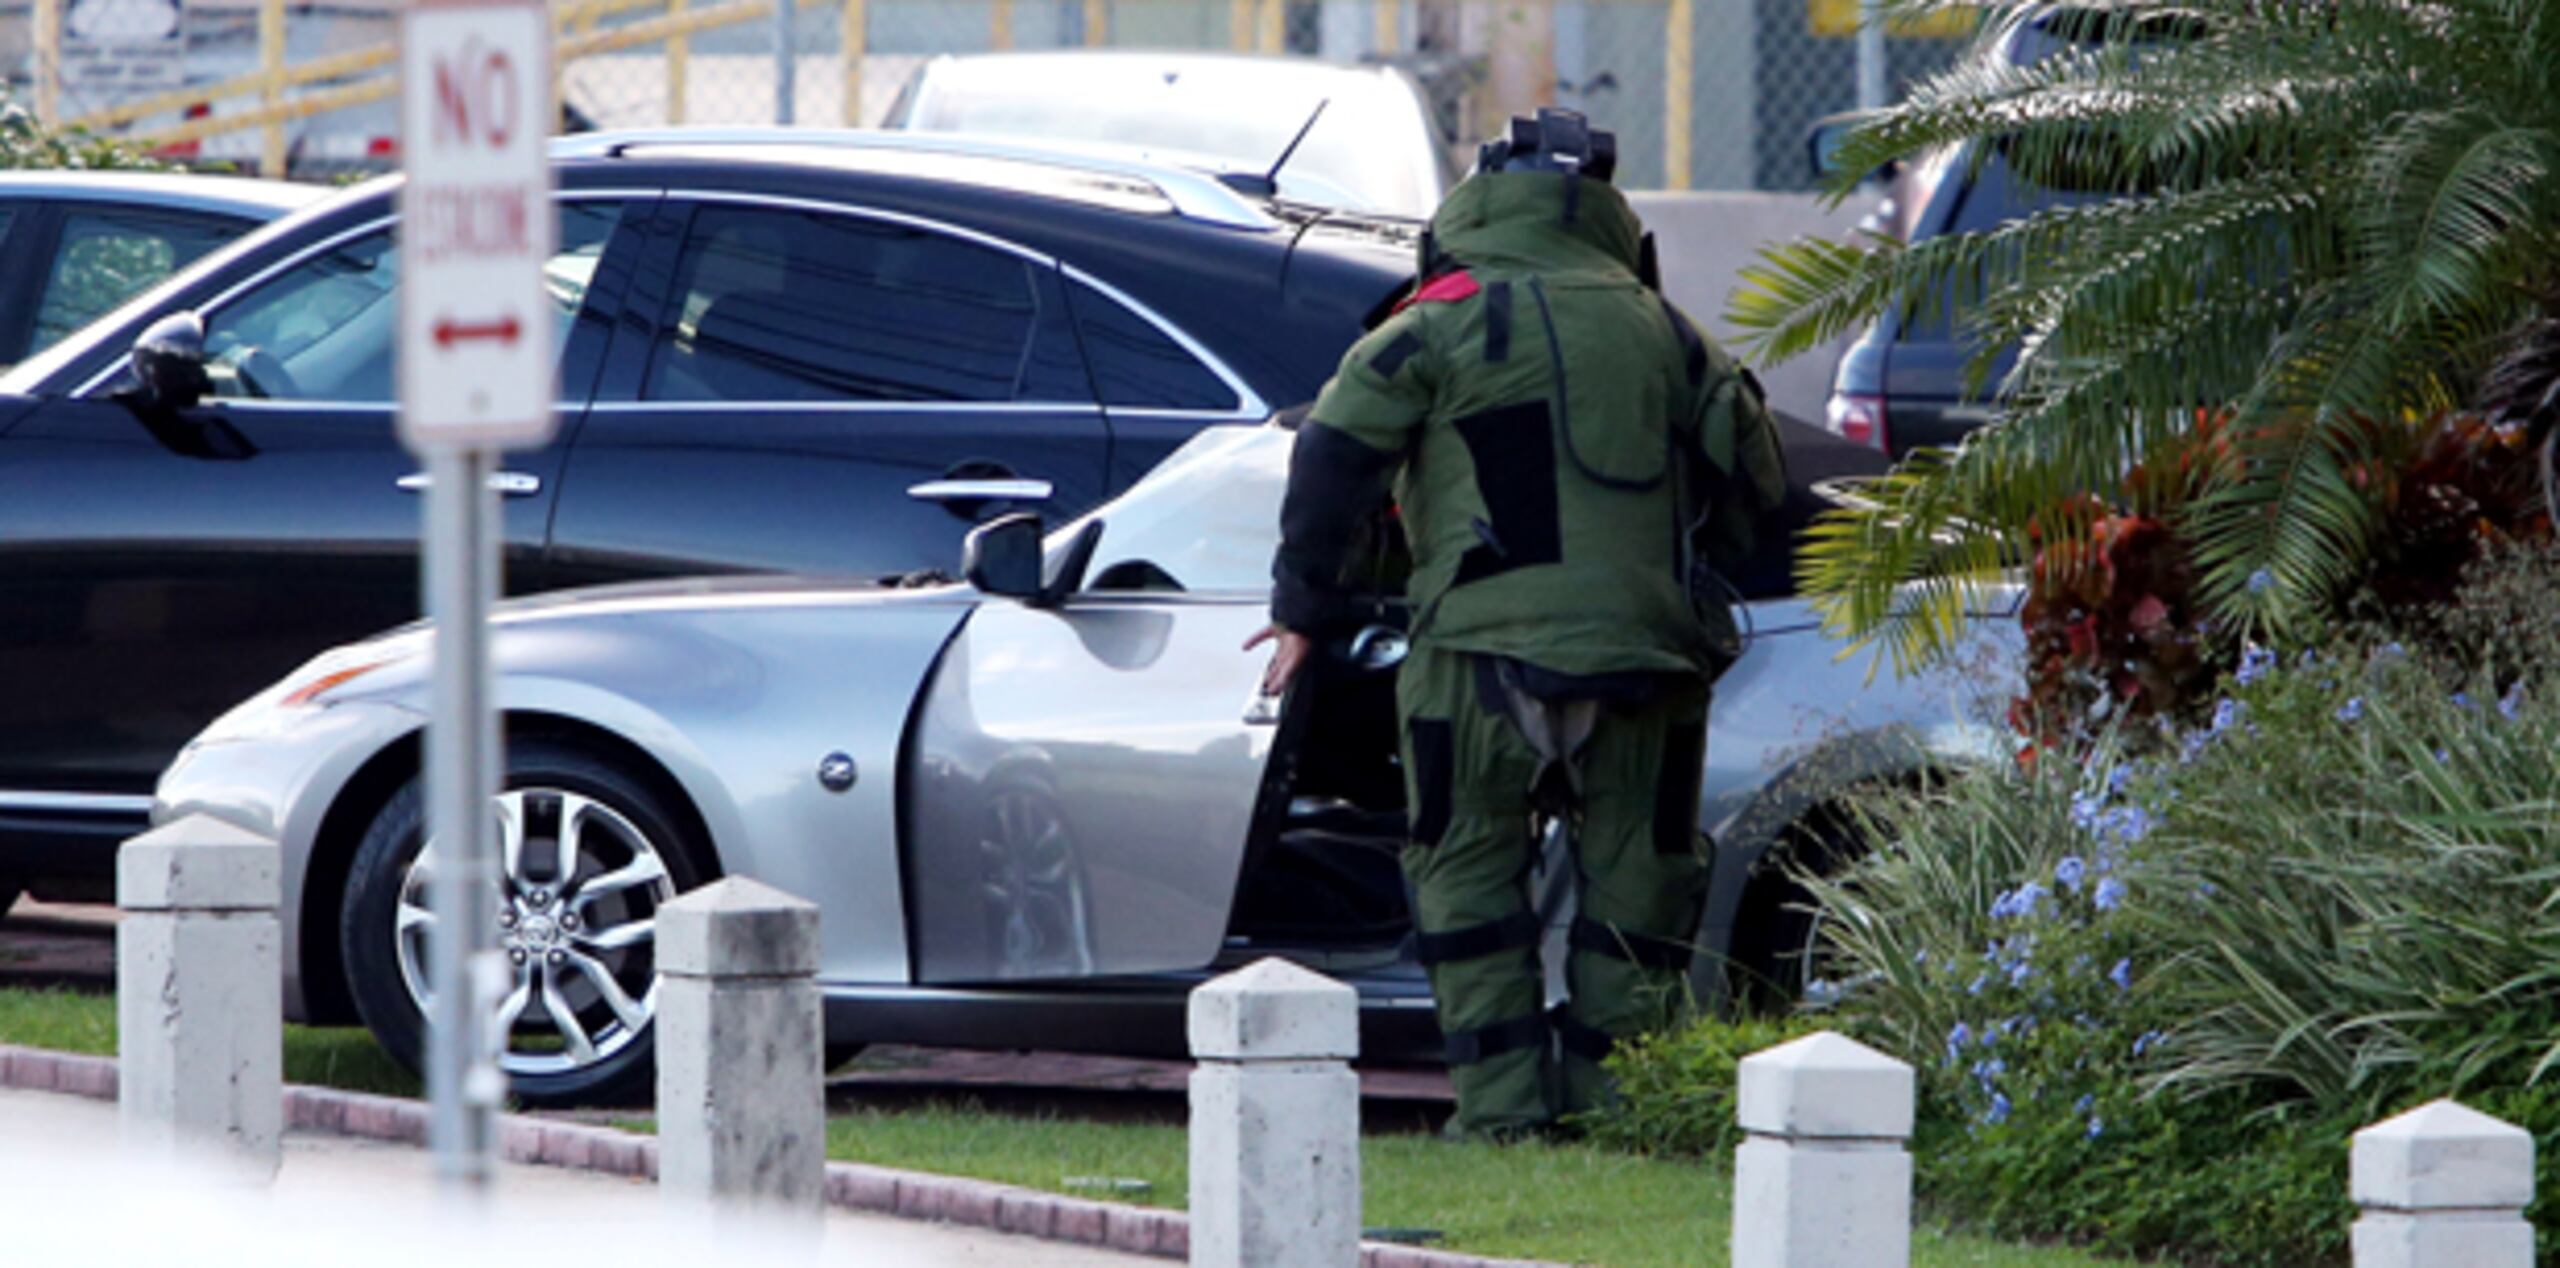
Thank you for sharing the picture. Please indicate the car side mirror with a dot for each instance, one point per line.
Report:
(1822, 146)
(1002, 556)
(168, 362)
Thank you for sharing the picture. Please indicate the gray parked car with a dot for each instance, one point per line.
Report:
(1032, 812)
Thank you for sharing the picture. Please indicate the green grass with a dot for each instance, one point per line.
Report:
(339, 1057)
(1571, 1203)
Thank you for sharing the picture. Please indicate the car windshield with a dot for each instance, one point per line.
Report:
(1364, 144)
(1208, 516)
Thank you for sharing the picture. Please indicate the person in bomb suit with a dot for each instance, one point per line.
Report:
(1569, 460)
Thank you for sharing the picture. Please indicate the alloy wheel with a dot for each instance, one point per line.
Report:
(579, 890)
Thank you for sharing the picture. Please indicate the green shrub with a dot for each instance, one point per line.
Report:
(2336, 899)
(1675, 1089)
(25, 143)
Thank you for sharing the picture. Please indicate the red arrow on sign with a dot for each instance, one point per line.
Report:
(450, 332)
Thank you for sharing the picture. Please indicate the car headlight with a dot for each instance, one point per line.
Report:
(303, 691)
(275, 710)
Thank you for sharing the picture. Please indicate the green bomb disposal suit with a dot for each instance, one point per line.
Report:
(1562, 443)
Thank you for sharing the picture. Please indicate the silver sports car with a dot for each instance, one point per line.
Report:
(1033, 808)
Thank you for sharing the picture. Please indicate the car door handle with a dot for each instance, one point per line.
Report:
(512, 484)
(983, 490)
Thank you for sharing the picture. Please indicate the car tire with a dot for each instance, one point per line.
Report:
(1775, 950)
(579, 938)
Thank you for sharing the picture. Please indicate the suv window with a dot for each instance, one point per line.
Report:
(1135, 365)
(104, 259)
(787, 305)
(324, 329)
(1986, 199)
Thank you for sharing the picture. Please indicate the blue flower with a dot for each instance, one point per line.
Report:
(2082, 1105)
(1975, 987)
(2143, 1042)
(2070, 871)
(1957, 1039)
(2019, 903)
(2117, 777)
(2225, 712)
(2109, 894)
(2443, 756)
(2122, 975)
(2097, 1126)
(2462, 700)
(2260, 580)
(1999, 1111)
(2351, 710)
(2391, 651)
(2510, 703)
(2085, 808)
(2255, 663)
(2128, 824)
(2020, 972)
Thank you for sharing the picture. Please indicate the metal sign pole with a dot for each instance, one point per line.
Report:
(475, 378)
(786, 61)
(464, 1085)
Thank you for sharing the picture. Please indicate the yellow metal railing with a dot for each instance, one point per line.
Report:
(1678, 61)
(264, 101)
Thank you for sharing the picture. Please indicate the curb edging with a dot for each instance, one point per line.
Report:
(850, 1186)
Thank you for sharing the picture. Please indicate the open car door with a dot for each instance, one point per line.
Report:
(1081, 781)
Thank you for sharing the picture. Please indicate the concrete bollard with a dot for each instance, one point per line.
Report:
(1822, 1179)
(1275, 1120)
(200, 995)
(742, 1114)
(2441, 1185)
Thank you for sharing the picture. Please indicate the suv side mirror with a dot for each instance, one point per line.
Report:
(168, 362)
(1822, 145)
(1002, 556)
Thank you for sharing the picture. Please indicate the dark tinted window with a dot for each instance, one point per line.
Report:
(1986, 199)
(326, 328)
(106, 258)
(1136, 365)
(804, 306)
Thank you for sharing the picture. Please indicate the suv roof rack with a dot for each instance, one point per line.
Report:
(1191, 193)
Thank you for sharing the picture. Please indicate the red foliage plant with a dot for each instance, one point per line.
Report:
(2112, 623)
(2113, 627)
(2450, 491)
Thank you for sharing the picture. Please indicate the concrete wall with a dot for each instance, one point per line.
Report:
(1707, 238)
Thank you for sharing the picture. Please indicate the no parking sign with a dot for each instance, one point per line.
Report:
(476, 225)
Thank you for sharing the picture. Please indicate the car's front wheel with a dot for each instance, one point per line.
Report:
(587, 855)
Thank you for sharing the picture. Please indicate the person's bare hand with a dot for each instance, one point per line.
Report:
(1288, 655)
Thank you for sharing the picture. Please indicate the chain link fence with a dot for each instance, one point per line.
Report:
(1707, 94)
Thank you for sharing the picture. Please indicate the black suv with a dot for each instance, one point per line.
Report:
(812, 352)
(1900, 385)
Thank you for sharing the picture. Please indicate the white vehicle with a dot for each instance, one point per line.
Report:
(1373, 149)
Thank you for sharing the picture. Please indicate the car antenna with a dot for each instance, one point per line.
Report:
(1267, 184)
